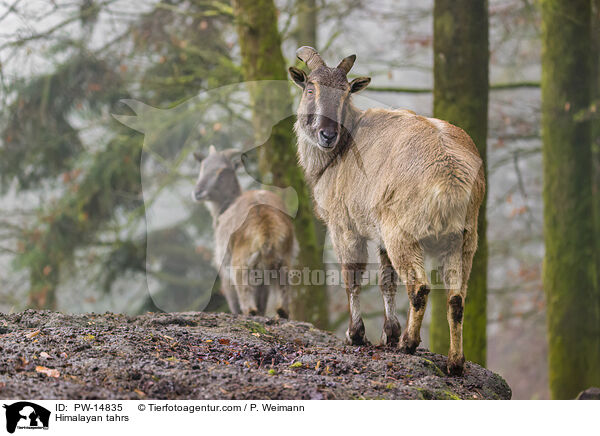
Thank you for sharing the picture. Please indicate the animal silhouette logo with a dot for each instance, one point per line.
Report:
(218, 116)
(26, 415)
(167, 164)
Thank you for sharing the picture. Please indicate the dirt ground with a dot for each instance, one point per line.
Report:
(48, 355)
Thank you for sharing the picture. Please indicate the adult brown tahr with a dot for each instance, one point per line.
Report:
(411, 184)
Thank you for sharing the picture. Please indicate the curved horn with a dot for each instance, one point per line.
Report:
(310, 57)
(232, 153)
(347, 63)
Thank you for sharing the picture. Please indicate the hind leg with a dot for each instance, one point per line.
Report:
(279, 283)
(248, 298)
(247, 287)
(389, 283)
(276, 282)
(457, 268)
(283, 301)
(452, 274)
(408, 259)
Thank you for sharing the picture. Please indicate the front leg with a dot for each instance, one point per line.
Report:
(352, 273)
(352, 252)
(388, 283)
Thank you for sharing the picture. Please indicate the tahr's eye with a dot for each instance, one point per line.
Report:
(309, 91)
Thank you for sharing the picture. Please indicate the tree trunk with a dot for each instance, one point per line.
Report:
(460, 96)
(569, 264)
(262, 59)
(595, 113)
(306, 31)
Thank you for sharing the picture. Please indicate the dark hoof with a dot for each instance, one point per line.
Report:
(355, 335)
(408, 346)
(390, 335)
(456, 368)
(282, 313)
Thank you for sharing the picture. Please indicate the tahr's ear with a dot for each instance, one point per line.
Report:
(359, 84)
(298, 76)
(235, 157)
(199, 156)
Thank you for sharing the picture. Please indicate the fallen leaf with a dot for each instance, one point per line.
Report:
(224, 341)
(140, 393)
(23, 362)
(33, 334)
(45, 355)
(48, 371)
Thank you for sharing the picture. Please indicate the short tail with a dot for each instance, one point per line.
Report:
(446, 207)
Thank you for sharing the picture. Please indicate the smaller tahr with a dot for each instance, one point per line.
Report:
(254, 237)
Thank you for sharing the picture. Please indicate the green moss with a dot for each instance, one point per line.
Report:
(254, 327)
(424, 394)
(296, 365)
(446, 395)
(434, 367)
(436, 394)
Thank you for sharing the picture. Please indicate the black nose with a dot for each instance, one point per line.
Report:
(327, 135)
(252, 312)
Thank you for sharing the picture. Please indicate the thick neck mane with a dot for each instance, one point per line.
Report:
(317, 162)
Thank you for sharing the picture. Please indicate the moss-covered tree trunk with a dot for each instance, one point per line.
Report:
(460, 96)
(306, 34)
(569, 264)
(306, 30)
(262, 59)
(595, 117)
